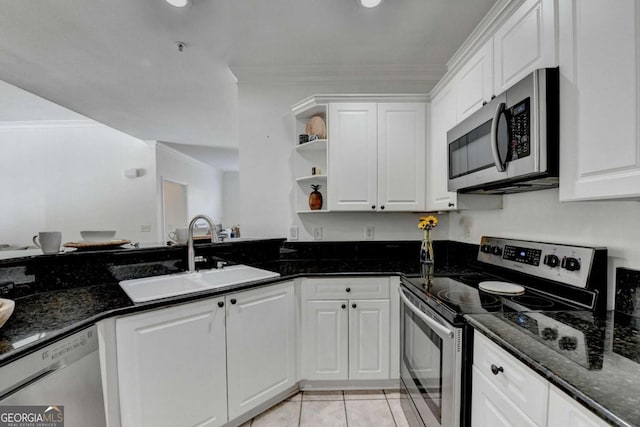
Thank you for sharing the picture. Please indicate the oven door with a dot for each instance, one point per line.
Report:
(430, 363)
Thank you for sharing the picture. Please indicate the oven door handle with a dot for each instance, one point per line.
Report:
(426, 319)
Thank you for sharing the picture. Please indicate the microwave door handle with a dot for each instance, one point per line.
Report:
(426, 319)
(494, 138)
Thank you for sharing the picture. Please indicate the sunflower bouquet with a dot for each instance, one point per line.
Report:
(427, 223)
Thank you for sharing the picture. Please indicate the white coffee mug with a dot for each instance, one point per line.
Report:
(48, 241)
(180, 235)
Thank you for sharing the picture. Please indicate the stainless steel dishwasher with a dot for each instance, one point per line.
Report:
(65, 373)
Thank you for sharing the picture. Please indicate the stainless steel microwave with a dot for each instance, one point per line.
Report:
(510, 145)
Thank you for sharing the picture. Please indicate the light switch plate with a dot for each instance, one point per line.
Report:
(317, 233)
(368, 232)
(145, 228)
(293, 232)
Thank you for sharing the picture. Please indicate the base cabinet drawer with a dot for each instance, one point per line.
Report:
(526, 389)
(491, 408)
(347, 288)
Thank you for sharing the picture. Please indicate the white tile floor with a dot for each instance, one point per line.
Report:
(335, 409)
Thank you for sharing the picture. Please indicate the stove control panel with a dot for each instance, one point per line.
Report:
(561, 263)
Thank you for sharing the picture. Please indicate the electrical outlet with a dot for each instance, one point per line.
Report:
(145, 228)
(317, 233)
(467, 232)
(368, 232)
(293, 232)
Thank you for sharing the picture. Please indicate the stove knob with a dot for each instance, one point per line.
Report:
(551, 260)
(549, 334)
(570, 264)
(568, 343)
(496, 250)
(486, 249)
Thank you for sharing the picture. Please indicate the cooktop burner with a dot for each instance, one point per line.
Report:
(461, 298)
(533, 302)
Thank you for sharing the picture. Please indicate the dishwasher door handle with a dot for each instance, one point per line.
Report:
(31, 380)
(426, 319)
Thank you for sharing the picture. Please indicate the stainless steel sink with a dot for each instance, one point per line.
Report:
(152, 288)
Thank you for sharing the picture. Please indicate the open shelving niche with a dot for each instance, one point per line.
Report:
(309, 155)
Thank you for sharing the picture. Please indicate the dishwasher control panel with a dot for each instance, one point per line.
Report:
(36, 365)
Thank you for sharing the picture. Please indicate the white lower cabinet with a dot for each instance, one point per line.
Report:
(172, 366)
(204, 363)
(346, 339)
(566, 412)
(368, 339)
(261, 346)
(492, 408)
(326, 353)
(507, 393)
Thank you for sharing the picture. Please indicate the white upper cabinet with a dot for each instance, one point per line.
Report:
(401, 156)
(599, 100)
(377, 156)
(442, 118)
(475, 82)
(353, 156)
(526, 41)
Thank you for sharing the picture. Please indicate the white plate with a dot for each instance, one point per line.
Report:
(502, 288)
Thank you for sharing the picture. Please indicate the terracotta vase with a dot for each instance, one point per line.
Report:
(426, 258)
(315, 200)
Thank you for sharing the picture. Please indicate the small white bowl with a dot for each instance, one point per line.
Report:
(97, 235)
(6, 310)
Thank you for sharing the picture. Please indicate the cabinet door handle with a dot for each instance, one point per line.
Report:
(344, 305)
(373, 206)
(451, 204)
(353, 305)
(496, 369)
(233, 301)
(220, 304)
(348, 289)
(484, 103)
(382, 207)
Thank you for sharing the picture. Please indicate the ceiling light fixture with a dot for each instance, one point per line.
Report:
(370, 3)
(179, 3)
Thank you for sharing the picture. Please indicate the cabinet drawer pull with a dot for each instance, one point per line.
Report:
(220, 304)
(348, 289)
(373, 206)
(496, 369)
(233, 301)
(353, 305)
(382, 207)
(344, 305)
(451, 205)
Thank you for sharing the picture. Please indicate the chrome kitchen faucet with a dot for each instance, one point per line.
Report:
(191, 260)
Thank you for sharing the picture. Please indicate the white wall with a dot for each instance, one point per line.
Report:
(267, 139)
(230, 199)
(204, 183)
(540, 216)
(69, 176)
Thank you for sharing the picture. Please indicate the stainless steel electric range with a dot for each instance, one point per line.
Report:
(437, 345)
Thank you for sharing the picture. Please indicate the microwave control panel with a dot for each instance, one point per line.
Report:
(519, 122)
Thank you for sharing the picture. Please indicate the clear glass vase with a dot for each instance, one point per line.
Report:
(426, 258)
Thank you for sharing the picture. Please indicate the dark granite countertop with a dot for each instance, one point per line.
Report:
(603, 373)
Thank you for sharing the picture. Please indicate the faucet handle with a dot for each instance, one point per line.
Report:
(221, 264)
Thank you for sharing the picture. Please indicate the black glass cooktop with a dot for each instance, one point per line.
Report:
(460, 295)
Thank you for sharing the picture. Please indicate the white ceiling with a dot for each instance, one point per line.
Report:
(116, 61)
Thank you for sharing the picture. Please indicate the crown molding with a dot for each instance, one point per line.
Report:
(323, 99)
(483, 32)
(427, 74)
